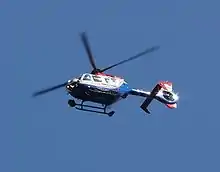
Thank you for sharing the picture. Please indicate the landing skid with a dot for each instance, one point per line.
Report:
(82, 107)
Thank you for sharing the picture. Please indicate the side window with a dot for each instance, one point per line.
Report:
(113, 81)
(79, 78)
(107, 80)
(87, 77)
(97, 78)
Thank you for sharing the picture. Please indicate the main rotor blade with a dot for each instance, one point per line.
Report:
(85, 41)
(149, 50)
(49, 89)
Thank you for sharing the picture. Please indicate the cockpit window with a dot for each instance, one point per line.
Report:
(97, 78)
(87, 77)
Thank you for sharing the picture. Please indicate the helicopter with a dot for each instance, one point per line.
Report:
(105, 89)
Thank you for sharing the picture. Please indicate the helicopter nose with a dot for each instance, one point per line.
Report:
(70, 81)
(69, 86)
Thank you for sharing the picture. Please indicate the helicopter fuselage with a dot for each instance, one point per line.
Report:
(102, 89)
(107, 90)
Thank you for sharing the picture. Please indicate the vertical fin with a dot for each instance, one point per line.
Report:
(166, 85)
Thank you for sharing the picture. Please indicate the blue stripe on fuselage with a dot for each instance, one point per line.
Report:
(124, 89)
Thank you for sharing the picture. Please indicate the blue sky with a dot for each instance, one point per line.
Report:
(40, 47)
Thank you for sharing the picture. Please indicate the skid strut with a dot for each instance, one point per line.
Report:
(83, 107)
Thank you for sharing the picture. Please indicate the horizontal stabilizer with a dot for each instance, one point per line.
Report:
(145, 105)
(149, 99)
